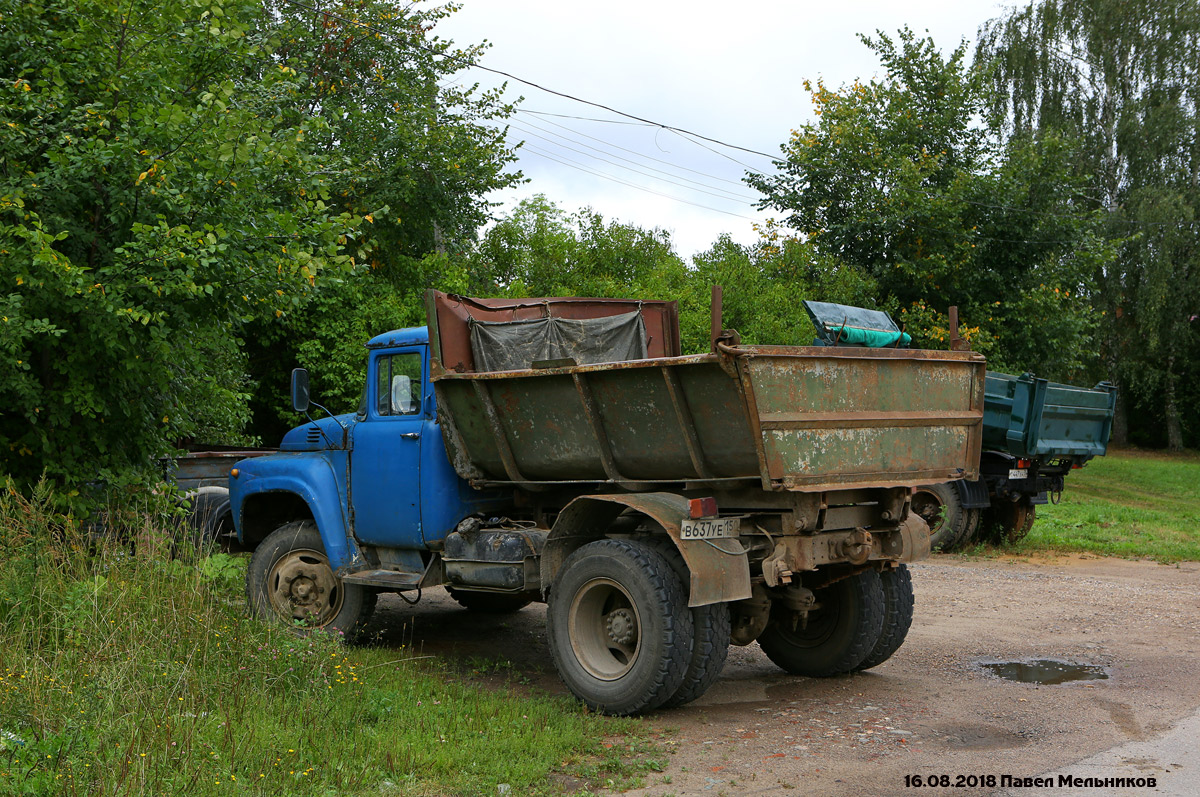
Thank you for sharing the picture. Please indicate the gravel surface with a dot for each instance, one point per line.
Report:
(931, 710)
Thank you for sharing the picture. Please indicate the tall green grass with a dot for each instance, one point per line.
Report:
(1129, 503)
(129, 667)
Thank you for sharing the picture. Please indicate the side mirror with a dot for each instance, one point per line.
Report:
(300, 389)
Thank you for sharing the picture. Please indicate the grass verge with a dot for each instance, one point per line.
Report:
(126, 671)
(1130, 503)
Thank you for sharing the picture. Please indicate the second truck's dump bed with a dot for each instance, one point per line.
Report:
(1030, 417)
(791, 418)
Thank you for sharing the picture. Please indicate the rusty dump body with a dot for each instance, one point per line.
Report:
(782, 419)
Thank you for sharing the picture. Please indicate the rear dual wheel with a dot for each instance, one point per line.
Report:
(950, 524)
(710, 633)
(1011, 521)
(897, 616)
(838, 636)
(619, 628)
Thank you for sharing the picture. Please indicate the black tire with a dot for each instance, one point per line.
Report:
(489, 602)
(618, 627)
(710, 635)
(897, 616)
(289, 579)
(950, 524)
(209, 513)
(838, 637)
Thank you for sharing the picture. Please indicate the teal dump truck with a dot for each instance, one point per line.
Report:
(1034, 433)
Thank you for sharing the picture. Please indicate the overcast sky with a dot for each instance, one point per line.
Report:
(730, 71)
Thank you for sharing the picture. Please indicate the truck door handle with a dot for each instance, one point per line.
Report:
(411, 435)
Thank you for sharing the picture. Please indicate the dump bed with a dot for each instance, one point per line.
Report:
(790, 418)
(1030, 417)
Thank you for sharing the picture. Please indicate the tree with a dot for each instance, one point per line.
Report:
(539, 250)
(1124, 79)
(402, 135)
(174, 171)
(901, 179)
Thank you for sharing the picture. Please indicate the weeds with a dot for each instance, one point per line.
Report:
(128, 666)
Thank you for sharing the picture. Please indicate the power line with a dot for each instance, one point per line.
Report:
(738, 183)
(724, 193)
(586, 118)
(468, 62)
(580, 167)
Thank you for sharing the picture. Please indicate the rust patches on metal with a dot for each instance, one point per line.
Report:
(790, 418)
(687, 425)
(592, 413)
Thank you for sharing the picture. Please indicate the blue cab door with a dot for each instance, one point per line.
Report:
(385, 462)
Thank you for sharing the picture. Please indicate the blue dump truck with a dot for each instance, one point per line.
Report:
(663, 506)
(1034, 432)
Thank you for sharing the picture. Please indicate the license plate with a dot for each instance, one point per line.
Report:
(709, 528)
(1018, 473)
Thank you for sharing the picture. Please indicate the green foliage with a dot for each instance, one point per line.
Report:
(899, 181)
(1122, 78)
(123, 671)
(159, 183)
(414, 154)
(539, 250)
(175, 171)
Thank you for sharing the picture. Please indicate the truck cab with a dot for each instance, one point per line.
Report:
(375, 484)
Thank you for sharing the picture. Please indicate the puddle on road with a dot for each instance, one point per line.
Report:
(1047, 672)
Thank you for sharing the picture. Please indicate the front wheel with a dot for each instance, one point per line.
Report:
(289, 578)
(619, 628)
(838, 635)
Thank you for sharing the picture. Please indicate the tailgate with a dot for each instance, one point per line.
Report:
(832, 417)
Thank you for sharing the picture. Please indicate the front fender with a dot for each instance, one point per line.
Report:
(717, 575)
(310, 478)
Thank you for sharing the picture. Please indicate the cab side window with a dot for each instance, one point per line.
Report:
(398, 384)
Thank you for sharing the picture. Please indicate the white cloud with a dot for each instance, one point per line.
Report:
(729, 71)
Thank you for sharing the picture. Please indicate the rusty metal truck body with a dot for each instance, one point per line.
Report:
(764, 488)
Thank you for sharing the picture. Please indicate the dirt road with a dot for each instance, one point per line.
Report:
(931, 710)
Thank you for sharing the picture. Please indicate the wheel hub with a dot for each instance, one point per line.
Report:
(929, 508)
(304, 588)
(622, 627)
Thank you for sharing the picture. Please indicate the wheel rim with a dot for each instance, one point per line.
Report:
(605, 629)
(1015, 520)
(822, 624)
(930, 508)
(303, 588)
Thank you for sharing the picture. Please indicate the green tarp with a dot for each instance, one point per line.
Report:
(871, 338)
